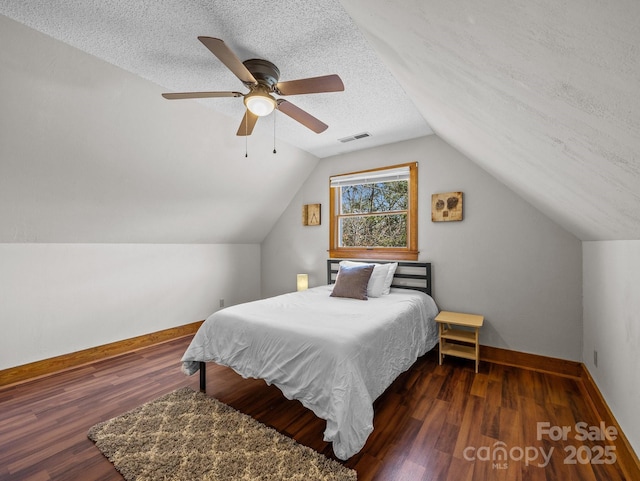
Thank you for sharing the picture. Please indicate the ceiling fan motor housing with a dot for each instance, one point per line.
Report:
(263, 71)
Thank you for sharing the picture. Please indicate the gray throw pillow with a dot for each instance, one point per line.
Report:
(352, 282)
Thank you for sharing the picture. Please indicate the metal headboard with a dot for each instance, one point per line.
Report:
(409, 275)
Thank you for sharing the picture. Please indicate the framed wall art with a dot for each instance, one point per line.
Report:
(446, 207)
(311, 214)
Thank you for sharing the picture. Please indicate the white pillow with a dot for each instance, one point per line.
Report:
(381, 277)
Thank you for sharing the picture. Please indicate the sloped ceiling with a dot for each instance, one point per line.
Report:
(544, 95)
(89, 153)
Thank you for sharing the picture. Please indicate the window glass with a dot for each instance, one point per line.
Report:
(373, 213)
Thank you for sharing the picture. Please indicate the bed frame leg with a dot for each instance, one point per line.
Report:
(203, 377)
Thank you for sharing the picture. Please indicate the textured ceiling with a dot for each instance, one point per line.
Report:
(544, 95)
(158, 41)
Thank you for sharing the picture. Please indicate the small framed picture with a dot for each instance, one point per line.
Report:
(311, 214)
(446, 207)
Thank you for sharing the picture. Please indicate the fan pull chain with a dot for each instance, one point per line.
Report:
(274, 131)
(246, 141)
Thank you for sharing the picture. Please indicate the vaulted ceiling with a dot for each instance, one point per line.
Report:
(544, 95)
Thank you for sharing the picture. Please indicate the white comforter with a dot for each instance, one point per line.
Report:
(334, 355)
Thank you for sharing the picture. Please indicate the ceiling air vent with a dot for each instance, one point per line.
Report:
(355, 137)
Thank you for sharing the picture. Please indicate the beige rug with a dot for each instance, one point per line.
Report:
(188, 436)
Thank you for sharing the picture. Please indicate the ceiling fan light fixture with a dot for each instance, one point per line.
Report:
(260, 103)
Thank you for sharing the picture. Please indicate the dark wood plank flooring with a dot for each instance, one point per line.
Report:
(429, 425)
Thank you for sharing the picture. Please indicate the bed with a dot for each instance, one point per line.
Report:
(335, 355)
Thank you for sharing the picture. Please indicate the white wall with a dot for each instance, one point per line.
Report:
(612, 327)
(61, 298)
(505, 260)
(121, 213)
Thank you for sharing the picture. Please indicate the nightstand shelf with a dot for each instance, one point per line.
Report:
(459, 342)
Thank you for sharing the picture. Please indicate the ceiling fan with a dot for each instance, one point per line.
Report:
(262, 77)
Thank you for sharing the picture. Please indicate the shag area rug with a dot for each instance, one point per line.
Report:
(188, 436)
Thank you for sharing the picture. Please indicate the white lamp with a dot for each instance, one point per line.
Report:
(303, 282)
(260, 103)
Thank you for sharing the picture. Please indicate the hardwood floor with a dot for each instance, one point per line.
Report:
(434, 423)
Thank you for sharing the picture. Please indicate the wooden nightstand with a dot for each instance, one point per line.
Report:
(466, 343)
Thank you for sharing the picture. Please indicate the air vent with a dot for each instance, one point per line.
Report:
(355, 137)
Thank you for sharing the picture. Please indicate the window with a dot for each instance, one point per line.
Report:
(374, 214)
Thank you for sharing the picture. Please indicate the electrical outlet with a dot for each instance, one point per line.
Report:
(221, 302)
(595, 358)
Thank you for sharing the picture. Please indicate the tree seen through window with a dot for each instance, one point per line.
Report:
(374, 215)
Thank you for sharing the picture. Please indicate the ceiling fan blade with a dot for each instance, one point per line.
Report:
(327, 83)
(200, 95)
(306, 119)
(248, 122)
(227, 57)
